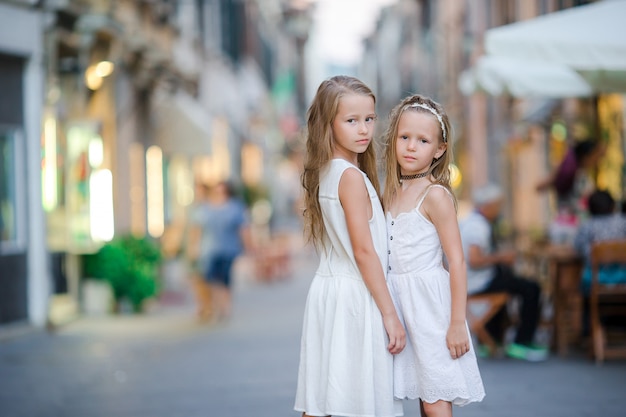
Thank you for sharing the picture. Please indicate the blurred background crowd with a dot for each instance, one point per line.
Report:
(114, 113)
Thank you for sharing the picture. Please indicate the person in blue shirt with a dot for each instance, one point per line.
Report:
(604, 223)
(223, 221)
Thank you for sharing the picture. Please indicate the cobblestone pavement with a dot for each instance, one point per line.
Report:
(165, 364)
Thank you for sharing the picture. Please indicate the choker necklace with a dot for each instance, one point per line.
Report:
(413, 177)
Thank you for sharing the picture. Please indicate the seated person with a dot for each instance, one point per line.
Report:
(490, 270)
(604, 223)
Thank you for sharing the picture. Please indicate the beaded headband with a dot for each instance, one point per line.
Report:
(437, 115)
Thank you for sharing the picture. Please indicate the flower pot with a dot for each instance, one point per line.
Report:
(97, 297)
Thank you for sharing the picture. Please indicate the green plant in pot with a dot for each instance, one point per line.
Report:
(130, 265)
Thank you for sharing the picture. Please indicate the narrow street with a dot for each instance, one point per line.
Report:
(165, 364)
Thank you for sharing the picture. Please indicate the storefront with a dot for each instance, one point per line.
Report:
(78, 141)
(576, 81)
(24, 272)
(612, 169)
(13, 253)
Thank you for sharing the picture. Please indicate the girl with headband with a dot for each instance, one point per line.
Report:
(438, 365)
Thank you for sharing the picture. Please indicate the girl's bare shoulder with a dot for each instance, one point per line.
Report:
(439, 191)
(439, 199)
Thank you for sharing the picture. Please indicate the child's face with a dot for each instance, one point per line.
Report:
(353, 126)
(417, 142)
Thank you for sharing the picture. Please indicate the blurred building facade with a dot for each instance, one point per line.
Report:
(423, 46)
(116, 108)
(24, 271)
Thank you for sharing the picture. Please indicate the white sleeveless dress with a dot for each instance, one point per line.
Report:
(420, 287)
(345, 368)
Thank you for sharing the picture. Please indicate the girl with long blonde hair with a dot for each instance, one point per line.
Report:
(350, 327)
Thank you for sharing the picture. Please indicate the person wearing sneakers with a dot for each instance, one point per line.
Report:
(490, 270)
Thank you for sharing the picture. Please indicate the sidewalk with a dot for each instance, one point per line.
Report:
(165, 364)
(15, 330)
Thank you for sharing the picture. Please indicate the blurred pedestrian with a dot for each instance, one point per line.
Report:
(572, 182)
(351, 328)
(438, 365)
(225, 225)
(571, 179)
(491, 270)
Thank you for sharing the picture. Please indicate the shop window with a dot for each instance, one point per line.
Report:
(10, 231)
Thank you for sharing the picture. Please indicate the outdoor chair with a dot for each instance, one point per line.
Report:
(608, 302)
(480, 309)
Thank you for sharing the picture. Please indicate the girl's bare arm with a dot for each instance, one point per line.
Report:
(358, 210)
(440, 209)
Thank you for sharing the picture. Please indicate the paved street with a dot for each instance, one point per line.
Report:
(164, 364)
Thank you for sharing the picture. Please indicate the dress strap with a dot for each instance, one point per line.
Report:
(425, 193)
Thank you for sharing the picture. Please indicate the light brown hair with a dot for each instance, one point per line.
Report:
(439, 168)
(319, 148)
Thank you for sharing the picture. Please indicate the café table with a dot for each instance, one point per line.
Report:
(560, 268)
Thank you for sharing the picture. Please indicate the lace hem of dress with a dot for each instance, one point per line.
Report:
(455, 399)
(458, 393)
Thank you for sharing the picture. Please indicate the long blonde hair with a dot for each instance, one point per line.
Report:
(319, 148)
(439, 168)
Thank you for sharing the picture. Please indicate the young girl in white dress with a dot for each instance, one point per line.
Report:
(351, 328)
(438, 365)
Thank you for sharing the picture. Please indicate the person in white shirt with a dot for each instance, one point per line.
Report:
(490, 270)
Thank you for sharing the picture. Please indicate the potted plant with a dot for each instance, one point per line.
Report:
(130, 266)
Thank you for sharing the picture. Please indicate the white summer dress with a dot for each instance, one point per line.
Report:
(420, 287)
(345, 368)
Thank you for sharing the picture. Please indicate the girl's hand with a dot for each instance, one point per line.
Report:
(457, 340)
(396, 333)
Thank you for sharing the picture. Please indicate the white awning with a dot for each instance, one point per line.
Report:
(497, 75)
(590, 39)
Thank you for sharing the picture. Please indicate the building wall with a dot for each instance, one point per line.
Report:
(24, 272)
(191, 51)
(436, 41)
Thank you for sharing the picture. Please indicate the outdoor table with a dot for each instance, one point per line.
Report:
(560, 268)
